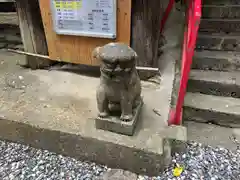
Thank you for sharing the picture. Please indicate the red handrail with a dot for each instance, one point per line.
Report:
(190, 36)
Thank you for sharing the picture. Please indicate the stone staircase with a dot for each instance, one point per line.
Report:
(8, 13)
(10, 36)
(214, 87)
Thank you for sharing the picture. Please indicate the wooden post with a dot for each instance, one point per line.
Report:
(146, 17)
(32, 32)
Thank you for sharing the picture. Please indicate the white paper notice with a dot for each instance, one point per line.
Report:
(96, 18)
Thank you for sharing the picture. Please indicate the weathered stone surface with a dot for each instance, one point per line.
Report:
(119, 92)
(216, 60)
(114, 124)
(115, 52)
(9, 18)
(215, 83)
(171, 50)
(13, 38)
(216, 11)
(9, 36)
(224, 111)
(236, 135)
(57, 110)
(220, 25)
(231, 44)
(211, 134)
(218, 42)
(15, 81)
(208, 42)
(221, 2)
(7, 6)
(118, 174)
(3, 45)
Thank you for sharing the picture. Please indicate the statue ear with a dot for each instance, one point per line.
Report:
(95, 53)
(136, 56)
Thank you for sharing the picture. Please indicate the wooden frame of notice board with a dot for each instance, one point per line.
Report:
(78, 49)
(138, 25)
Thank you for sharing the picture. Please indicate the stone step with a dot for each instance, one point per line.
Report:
(220, 25)
(221, 11)
(216, 60)
(221, 2)
(215, 83)
(211, 134)
(10, 18)
(3, 1)
(224, 111)
(7, 6)
(220, 42)
(38, 118)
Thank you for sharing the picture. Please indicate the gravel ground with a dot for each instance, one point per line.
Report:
(204, 163)
(19, 162)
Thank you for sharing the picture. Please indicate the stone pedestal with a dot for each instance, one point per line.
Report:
(114, 124)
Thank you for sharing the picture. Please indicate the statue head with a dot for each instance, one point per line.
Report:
(117, 59)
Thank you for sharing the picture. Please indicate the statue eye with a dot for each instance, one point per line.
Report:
(108, 65)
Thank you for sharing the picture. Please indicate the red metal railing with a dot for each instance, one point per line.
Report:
(193, 16)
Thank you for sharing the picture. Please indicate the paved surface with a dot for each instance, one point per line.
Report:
(64, 102)
(60, 106)
(70, 92)
(214, 135)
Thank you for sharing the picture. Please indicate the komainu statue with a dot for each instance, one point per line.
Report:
(119, 92)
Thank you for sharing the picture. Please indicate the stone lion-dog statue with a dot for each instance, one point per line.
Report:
(120, 87)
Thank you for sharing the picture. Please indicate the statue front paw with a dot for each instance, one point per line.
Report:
(103, 114)
(127, 117)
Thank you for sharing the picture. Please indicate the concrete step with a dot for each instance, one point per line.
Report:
(210, 134)
(220, 42)
(10, 18)
(7, 6)
(221, 2)
(219, 25)
(215, 83)
(224, 111)
(38, 118)
(221, 11)
(216, 60)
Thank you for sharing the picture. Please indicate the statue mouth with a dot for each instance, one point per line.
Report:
(116, 73)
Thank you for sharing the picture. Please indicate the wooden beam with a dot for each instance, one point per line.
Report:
(9, 18)
(47, 57)
(146, 17)
(33, 36)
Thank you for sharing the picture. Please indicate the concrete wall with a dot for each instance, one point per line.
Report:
(172, 49)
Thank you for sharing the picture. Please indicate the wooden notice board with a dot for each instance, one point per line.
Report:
(78, 49)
